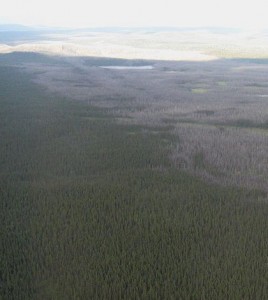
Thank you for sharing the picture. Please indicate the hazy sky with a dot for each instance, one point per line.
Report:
(79, 13)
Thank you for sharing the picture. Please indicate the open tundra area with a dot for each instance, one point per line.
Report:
(191, 44)
(134, 164)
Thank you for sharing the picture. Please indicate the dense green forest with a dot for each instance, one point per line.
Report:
(91, 209)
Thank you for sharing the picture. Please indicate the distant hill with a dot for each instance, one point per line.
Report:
(15, 27)
(19, 27)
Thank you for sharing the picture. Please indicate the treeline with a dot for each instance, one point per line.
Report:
(94, 210)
